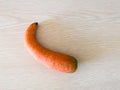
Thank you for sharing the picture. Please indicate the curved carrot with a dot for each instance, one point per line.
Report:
(51, 59)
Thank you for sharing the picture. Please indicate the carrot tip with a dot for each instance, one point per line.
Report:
(36, 23)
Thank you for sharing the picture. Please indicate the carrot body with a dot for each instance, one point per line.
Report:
(51, 59)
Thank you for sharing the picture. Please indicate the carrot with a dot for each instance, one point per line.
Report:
(51, 59)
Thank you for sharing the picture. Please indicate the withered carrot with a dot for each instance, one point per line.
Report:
(54, 60)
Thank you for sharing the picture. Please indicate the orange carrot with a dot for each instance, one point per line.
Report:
(54, 60)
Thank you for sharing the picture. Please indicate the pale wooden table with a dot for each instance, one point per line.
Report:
(86, 29)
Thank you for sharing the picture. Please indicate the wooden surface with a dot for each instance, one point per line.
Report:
(86, 29)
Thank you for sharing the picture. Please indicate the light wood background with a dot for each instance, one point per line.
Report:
(86, 29)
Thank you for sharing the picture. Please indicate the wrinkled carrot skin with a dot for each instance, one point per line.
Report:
(51, 59)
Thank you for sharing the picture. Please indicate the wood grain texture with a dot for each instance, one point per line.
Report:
(88, 30)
